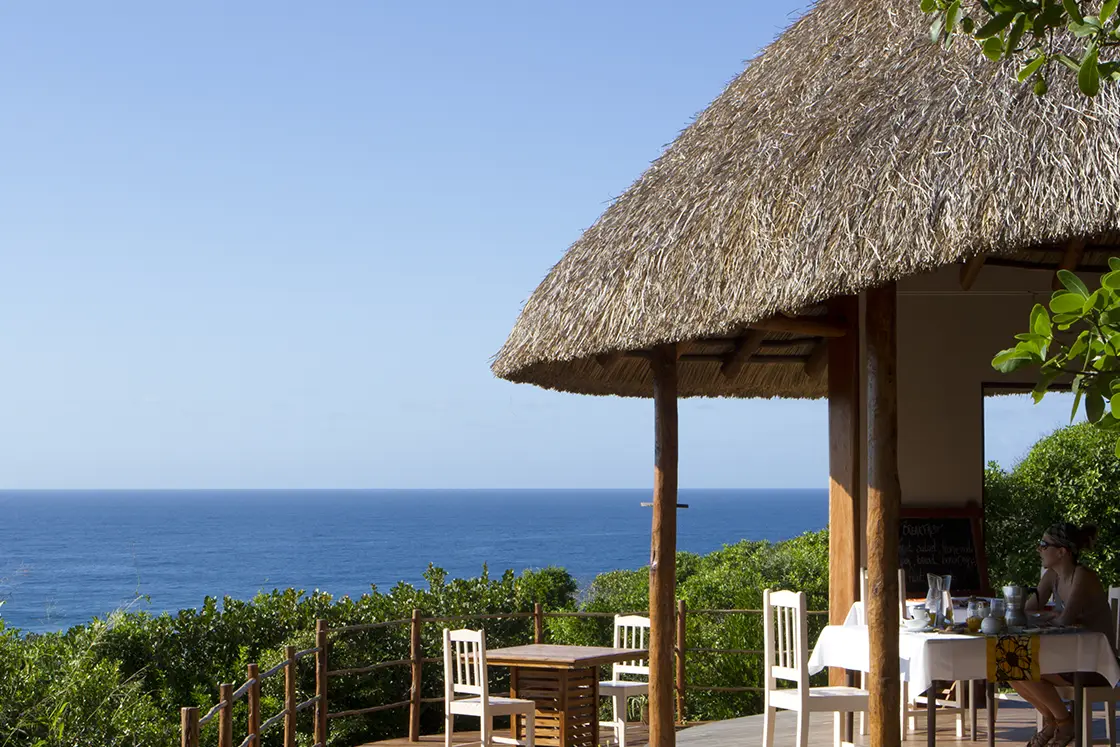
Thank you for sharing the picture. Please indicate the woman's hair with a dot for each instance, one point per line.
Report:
(1072, 537)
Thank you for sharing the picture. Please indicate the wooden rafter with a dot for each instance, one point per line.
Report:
(820, 326)
(607, 361)
(1071, 258)
(745, 347)
(817, 361)
(971, 270)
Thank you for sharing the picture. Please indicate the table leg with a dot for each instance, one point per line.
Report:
(972, 709)
(514, 726)
(931, 714)
(991, 708)
(848, 726)
(1079, 737)
(595, 700)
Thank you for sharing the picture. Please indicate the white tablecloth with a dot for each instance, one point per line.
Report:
(924, 657)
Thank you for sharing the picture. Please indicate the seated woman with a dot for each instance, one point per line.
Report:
(1079, 599)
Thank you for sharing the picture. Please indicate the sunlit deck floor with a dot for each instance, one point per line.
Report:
(1014, 726)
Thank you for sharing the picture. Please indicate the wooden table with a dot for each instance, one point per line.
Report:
(564, 683)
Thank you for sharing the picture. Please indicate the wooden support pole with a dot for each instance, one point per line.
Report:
(845, 455)
(321, 682)
(745, 347)
(416, 652)
(1071, 258)
(663, 547)
(971, 270)
(538, 623)
(188, 727)
(883, 501)
(253, 696)
(681, 612)
(290, 678)
(225, 716)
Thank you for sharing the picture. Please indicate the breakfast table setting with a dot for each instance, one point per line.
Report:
(995, 641)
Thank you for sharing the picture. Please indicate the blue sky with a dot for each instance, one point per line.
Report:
(276, 244)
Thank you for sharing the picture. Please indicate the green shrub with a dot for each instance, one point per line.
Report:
(1071, 475)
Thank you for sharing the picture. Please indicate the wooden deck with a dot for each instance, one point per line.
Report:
(1014, 726)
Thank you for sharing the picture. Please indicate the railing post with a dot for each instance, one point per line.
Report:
(538, 623)
(252, 673)
(321, 682)
(681, 609)
(289, 697)
(225, 716)
(188, 726)
(417, 655)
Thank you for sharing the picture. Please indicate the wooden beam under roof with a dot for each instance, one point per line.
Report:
(1071, 258)
(820, 326)
(745, 347)
(817, 361)
(971, 270)
(607, 361)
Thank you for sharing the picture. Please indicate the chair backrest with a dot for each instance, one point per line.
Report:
(464, 663)
(902, 612)
(785, 633)
(631, 631)
(1114, 604)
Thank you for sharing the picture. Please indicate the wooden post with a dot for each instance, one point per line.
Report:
(253, 696)
(845, 454)
(321, 682)
(538, 623)
(188, 727)
(663, 547)
(290, 704)
(883, 500)
(225, 716)
(681, 611)
(416, 653)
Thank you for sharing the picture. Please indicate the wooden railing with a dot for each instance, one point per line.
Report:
(191, 723)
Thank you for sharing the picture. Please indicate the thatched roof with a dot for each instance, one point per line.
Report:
(850, 153)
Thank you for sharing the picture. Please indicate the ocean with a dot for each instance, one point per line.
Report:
(67, 556)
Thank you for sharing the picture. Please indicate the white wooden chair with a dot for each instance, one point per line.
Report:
(1101, 694)
(630, 631)
(786, 652)
(464, 672)
(909, 711)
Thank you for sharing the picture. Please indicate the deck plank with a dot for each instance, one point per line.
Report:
(1014, 726)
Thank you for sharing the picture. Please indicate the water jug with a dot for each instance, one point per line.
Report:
(1015, 597)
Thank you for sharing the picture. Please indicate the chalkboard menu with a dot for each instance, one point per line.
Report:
(944, 541)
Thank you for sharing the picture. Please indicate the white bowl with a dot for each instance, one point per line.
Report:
(916, 623)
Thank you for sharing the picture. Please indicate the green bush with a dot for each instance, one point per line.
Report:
(1071, 475)
(122, 680)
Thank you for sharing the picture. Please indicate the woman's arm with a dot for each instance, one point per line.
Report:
(1045, 590)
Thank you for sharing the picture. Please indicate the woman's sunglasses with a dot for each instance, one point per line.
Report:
(1043, 544)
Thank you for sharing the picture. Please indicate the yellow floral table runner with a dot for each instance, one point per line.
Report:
(1013, 657)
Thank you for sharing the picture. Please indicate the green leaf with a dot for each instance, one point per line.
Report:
(1077, 394)
(1094, 405)
(936, 28)
(1040, 86)
(1015, 35)
(1069, 62)
(998, 23)
(1032, 67)
(1111, 280)
(1010, 360)
(928, 6)
(1040, 321)
(952, 15)
(1073, 11)
(1088, 77)
(967, 25)
(1114, 264)
(993, 48)
(1107, 9)
(1065, 303)
(1073, 283)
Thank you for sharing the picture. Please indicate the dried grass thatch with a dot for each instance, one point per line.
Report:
(850, 153)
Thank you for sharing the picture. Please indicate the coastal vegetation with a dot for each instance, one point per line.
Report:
(120, 681)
